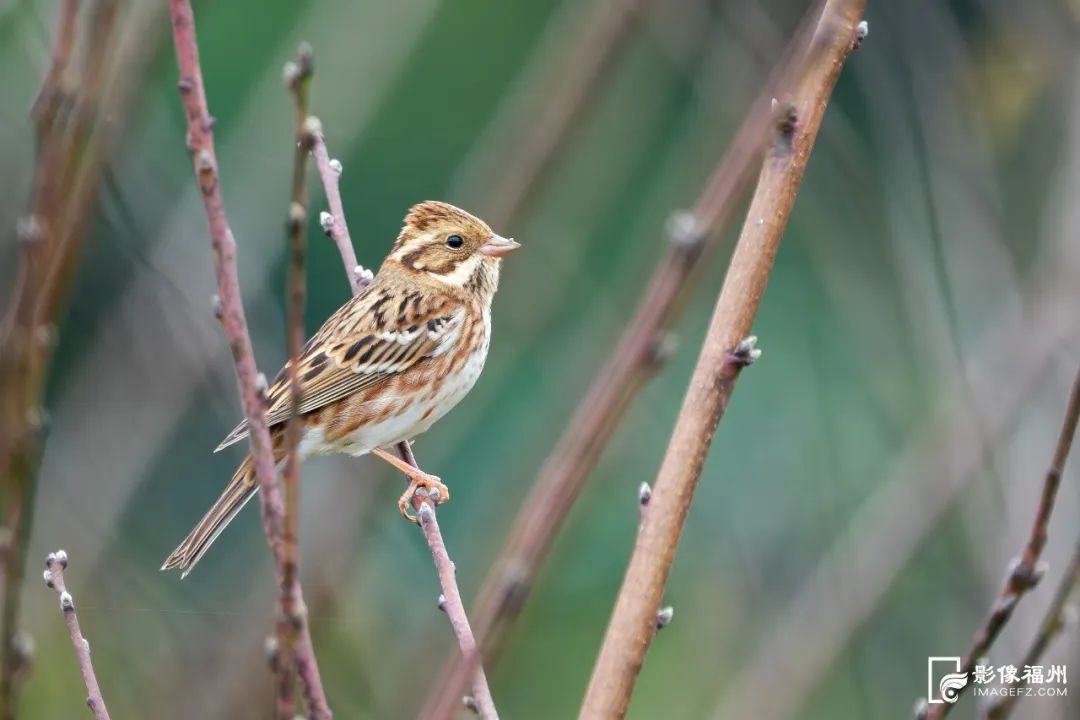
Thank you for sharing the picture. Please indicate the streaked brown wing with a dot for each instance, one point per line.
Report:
(374, 336)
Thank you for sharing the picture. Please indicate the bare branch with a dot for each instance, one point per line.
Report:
(1027, 569)
(55, 565)
(1051, 626)
(692, 240)
(450, 600)
(291, 616)
(228, 306)
(724, 354)
(933, 471)
(71, 144)
(333, 222)
(201, 146)
(49, 96)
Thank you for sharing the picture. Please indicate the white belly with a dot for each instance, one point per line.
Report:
(411, 421)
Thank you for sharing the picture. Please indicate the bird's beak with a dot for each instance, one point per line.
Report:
(498, 246)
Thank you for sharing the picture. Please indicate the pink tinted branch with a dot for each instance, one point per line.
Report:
(252, 384)
(55, 565)
(252, 387)
(453, 606)
(333, 222)
(450, 602)
(1026, 571)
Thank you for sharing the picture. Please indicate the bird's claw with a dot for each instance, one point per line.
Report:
(422, 488)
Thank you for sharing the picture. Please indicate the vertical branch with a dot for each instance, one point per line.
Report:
(55, 566)
(723, 355)
(1027, 570)
(70, 141)
(252, 385)
(692, 240)
(297, 79)
(450, 601)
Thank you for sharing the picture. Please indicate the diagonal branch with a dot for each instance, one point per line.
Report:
(692, 240)
(55, 566)
(252, 384)
(633, 620)
(1052, 624)
(1027, 570)
(450, 601)
(333, 222)
(933, 471)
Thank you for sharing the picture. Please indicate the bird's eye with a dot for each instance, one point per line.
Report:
(455, 241)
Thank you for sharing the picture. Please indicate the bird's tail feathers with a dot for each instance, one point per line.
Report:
(240, 489)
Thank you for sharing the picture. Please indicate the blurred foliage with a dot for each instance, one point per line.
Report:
(941, 186)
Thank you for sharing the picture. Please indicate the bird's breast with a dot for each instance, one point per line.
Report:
(406, 405)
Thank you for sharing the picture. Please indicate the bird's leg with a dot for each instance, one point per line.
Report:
(417, 479)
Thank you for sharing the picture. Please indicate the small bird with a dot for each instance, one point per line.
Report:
(387, 365)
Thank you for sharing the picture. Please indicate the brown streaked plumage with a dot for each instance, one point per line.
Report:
(388, 363)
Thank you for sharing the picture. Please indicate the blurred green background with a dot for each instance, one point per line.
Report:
(874, 474)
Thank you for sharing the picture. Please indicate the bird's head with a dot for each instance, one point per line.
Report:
(450, 246)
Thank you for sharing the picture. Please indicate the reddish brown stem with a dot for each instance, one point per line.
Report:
(333, 222)
(291, 617)
(70, 151)
(633, 621)
(55, 565)
(1025, 572)
(1051, 626)
(450, 602)
(692, 240)
(201, 146)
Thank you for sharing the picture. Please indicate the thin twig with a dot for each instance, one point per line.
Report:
(223, 244)
(333, 222)
(933, 471)
(1052, 624)
(201, 146)
(297, 79)
(450, 601)
(335, 226)
(723, 354)
(55, 565)
(1027, 569)
(692, 240)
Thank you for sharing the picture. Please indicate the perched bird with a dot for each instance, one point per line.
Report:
(388, 364)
